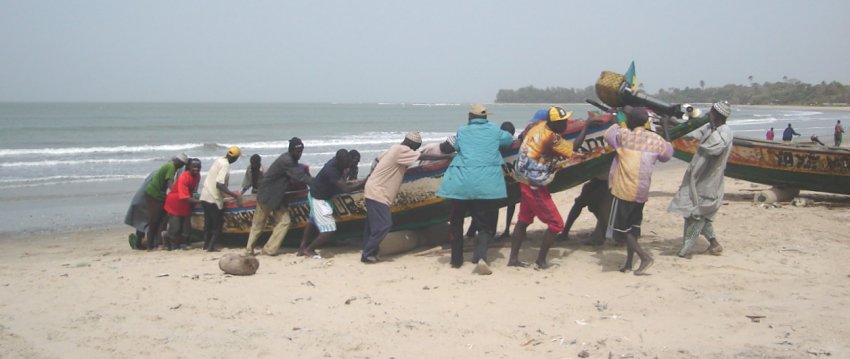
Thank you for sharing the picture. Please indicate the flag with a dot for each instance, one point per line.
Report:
(631, 78)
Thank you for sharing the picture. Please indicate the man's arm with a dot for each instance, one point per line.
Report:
(439, 157)
(349, 186)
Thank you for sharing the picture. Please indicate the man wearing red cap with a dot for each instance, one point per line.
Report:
(534, 169)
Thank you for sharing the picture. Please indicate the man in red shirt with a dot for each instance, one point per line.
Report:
(179, 203)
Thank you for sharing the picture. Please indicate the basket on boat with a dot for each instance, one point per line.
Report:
(608, 88)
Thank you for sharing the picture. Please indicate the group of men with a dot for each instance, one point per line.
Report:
(789, 133)
(474, 184)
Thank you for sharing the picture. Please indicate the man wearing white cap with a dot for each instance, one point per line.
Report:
(381, 188)
(701, 193)
(445, 147)
(155, 198)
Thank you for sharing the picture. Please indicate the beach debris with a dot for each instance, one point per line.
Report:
(601, 306)
(818, 352)
(160, 275)
(238, 264)
(581, 322)
(532, 342)
(175, 307)
(349, 300)
(756, 318)
(583, 354)
(308, 283)
(82, 264)
(801, 202)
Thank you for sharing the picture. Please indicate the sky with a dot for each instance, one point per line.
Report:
(434, 51)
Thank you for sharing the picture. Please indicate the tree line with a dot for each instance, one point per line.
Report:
(786, 92)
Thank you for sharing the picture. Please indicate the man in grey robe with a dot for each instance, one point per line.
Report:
(701, 193)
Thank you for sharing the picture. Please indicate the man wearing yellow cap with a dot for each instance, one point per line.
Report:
(212, 196)
(534, 168)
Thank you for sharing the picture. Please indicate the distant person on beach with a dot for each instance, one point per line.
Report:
(155, 198)
(253, 174)
(354, 168)
(383, 185)
(596, 196)
(508, 127)
(769, 134)
(701, 192)
(212, 196)
(330, 181)
(474, 182)
(272, 199)
(789, 134)
(534, 168)
(630, 177)
(438, 148)
(179, 203)
(815, 139)
(839, 133)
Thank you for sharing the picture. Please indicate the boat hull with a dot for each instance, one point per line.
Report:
(800, 166)
(417, 205)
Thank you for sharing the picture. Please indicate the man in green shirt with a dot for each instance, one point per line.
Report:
(155, 198)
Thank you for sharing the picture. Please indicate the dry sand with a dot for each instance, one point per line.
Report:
(88, 294)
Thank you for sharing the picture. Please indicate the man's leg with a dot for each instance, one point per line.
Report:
(309, 230)
(155, 215)
(646, 260)
(693, 227)
(510, 217)
(516, 243)
(209, 221)
(714, 246)
(457, 211)
(524, 219)
(486, 214)
(272, 247)
(218, 227)
(547, 212)
(575, 211)
(258, 224)
(380, 222)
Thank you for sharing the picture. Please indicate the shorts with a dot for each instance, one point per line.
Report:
(626, 217)
(322, 214)
(179, 226)
(538, 203)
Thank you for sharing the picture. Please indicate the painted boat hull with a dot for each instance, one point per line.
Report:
(801, 165)
(417, 205)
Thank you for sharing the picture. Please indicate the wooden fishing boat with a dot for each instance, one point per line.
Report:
(417, 205)
(804, 166)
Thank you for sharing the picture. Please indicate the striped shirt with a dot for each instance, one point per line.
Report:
(637, 152)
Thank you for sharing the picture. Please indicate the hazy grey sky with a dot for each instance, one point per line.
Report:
(403, 51)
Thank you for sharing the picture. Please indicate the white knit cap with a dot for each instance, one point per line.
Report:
(723, 108)
(414, 136)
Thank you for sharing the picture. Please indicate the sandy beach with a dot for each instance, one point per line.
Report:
(781, 289)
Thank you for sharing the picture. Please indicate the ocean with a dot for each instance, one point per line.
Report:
(73, 166)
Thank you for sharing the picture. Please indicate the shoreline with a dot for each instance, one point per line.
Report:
(86, 293)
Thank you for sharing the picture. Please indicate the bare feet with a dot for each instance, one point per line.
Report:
(626, 268)
(517, 263)
(563, 237)
(715, 249)
(308, 253)
(544, 265)
(644, 265)
(482, 268)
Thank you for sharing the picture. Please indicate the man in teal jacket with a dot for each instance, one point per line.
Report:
(474, 182)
